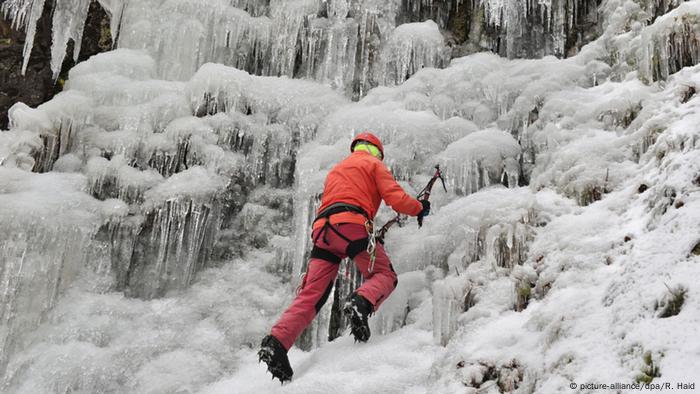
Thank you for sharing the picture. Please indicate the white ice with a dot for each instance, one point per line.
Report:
(155, 215)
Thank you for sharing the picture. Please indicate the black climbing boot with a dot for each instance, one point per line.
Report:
(358, 309)
(275, 356)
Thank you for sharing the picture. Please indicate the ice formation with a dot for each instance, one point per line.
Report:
(543, 26)
(156, 213)
(409, 48)
(670, 43)
(336, 42)
(175, 178)
(48, 223)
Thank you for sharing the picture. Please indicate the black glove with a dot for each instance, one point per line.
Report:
(425, 212)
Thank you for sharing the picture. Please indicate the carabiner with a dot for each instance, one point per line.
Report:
(371, 244)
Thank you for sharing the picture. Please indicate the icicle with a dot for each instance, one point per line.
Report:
(69, 18)
(36, 9)
(505, 244)
(328, 51)
(115, 10)
(303, 222)
(289, 17)
(448, 304)
(173, 254)
(670, 43)
(16, 11)
(367, 25)
(515, 20)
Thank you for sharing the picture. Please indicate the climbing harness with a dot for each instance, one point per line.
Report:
(354, 246)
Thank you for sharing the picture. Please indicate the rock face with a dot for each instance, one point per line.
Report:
(37, 85)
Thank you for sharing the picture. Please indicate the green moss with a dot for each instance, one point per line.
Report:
(525, 291)
(105, 39)
(649, 369)
(643, 378)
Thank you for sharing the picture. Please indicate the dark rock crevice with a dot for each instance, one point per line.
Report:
(37, 85)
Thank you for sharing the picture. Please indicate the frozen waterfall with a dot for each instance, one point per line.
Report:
(155, 214)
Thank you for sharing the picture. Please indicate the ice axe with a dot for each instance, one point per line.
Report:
(424, 194)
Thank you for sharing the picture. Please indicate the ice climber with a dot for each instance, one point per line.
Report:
(352, 193)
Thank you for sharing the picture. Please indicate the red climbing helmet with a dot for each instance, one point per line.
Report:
(368, 137)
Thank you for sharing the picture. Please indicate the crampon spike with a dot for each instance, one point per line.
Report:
(275, 356)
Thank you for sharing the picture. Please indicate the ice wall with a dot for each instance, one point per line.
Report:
(351, 45)
(334, 42)
(540, 28)
(169, 176)
(160, 172)
(48, 224)
(347, 43)
(183, 155)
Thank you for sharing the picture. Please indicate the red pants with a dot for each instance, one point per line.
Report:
(320, 276)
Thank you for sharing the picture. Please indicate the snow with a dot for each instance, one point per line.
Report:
(130, 182)
(16, 148)
(95, 347)
(194, 183)
(480, 159)
(367, 370)
(155, 215)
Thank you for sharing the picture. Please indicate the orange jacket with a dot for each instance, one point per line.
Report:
(364, 181)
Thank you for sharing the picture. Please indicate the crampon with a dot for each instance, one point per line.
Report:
(358, 309)
(275, 356)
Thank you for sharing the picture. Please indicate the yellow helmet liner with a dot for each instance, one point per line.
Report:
(369, 148)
